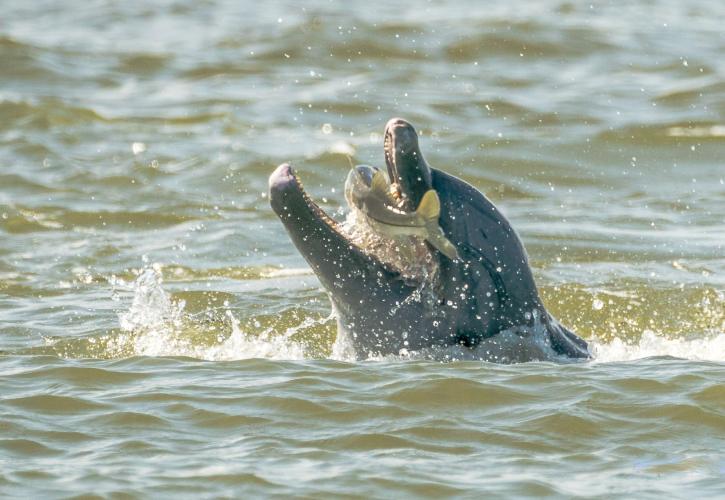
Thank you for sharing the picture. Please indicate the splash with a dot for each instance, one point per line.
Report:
(242, 346)
(642, 321)
(650, 344)
(157, 325)
(151, 308)
(505, 348)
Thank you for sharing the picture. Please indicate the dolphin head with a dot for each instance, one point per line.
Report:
(373, 299)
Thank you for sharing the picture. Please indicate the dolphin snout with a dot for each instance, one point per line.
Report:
(282, 184)
(400, 137)
(397, 122)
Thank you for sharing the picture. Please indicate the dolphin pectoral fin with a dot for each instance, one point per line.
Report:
(565, 342)
(441, 243)
(430, 207)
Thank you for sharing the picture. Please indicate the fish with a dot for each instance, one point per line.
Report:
(369, 190)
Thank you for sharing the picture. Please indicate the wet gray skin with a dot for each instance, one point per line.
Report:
(485, 298)
(368, 190)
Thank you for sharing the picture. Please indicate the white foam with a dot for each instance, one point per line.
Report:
(151, 307)
(287, 272)
(155, 326)
(242, 346)
(706, 348)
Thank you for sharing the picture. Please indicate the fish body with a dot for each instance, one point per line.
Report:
(369, 190)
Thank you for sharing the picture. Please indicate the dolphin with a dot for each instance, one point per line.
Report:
(367, 189)
(482, 305)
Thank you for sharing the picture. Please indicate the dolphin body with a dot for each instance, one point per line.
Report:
(482, 305)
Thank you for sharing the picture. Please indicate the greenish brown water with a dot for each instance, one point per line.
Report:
(160, 335)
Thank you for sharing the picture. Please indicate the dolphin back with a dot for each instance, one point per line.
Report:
(483, 235)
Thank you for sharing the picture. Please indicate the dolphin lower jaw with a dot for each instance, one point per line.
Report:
(290, 201)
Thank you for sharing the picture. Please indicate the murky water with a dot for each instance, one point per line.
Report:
(160, 335)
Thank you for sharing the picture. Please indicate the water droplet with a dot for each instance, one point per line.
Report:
(138, 147)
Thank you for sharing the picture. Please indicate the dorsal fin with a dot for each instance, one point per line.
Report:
(379, 184)
(430, 206)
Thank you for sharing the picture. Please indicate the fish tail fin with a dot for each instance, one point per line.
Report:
(430, 210)
(430, 207)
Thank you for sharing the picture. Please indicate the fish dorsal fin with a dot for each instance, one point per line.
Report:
(379, 184)
(430, 206)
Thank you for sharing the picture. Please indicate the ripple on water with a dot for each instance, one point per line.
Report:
(27, 447)
(82, 376)
(138, 253)
(44, 114)
(129, 420)
(54, 404)
(512, 39)
(456, 394)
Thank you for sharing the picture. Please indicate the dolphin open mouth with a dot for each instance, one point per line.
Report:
(409, 180)
(323, 241)
(318, 235)
(306, 222)
(391, 161)
(388, 149)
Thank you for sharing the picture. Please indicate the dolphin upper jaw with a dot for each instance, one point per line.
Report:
(407, 169)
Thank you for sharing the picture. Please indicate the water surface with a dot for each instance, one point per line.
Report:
(160, 335)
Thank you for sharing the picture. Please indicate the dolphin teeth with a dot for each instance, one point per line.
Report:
(312, 205)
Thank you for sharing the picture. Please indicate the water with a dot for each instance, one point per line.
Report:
(160, 335)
